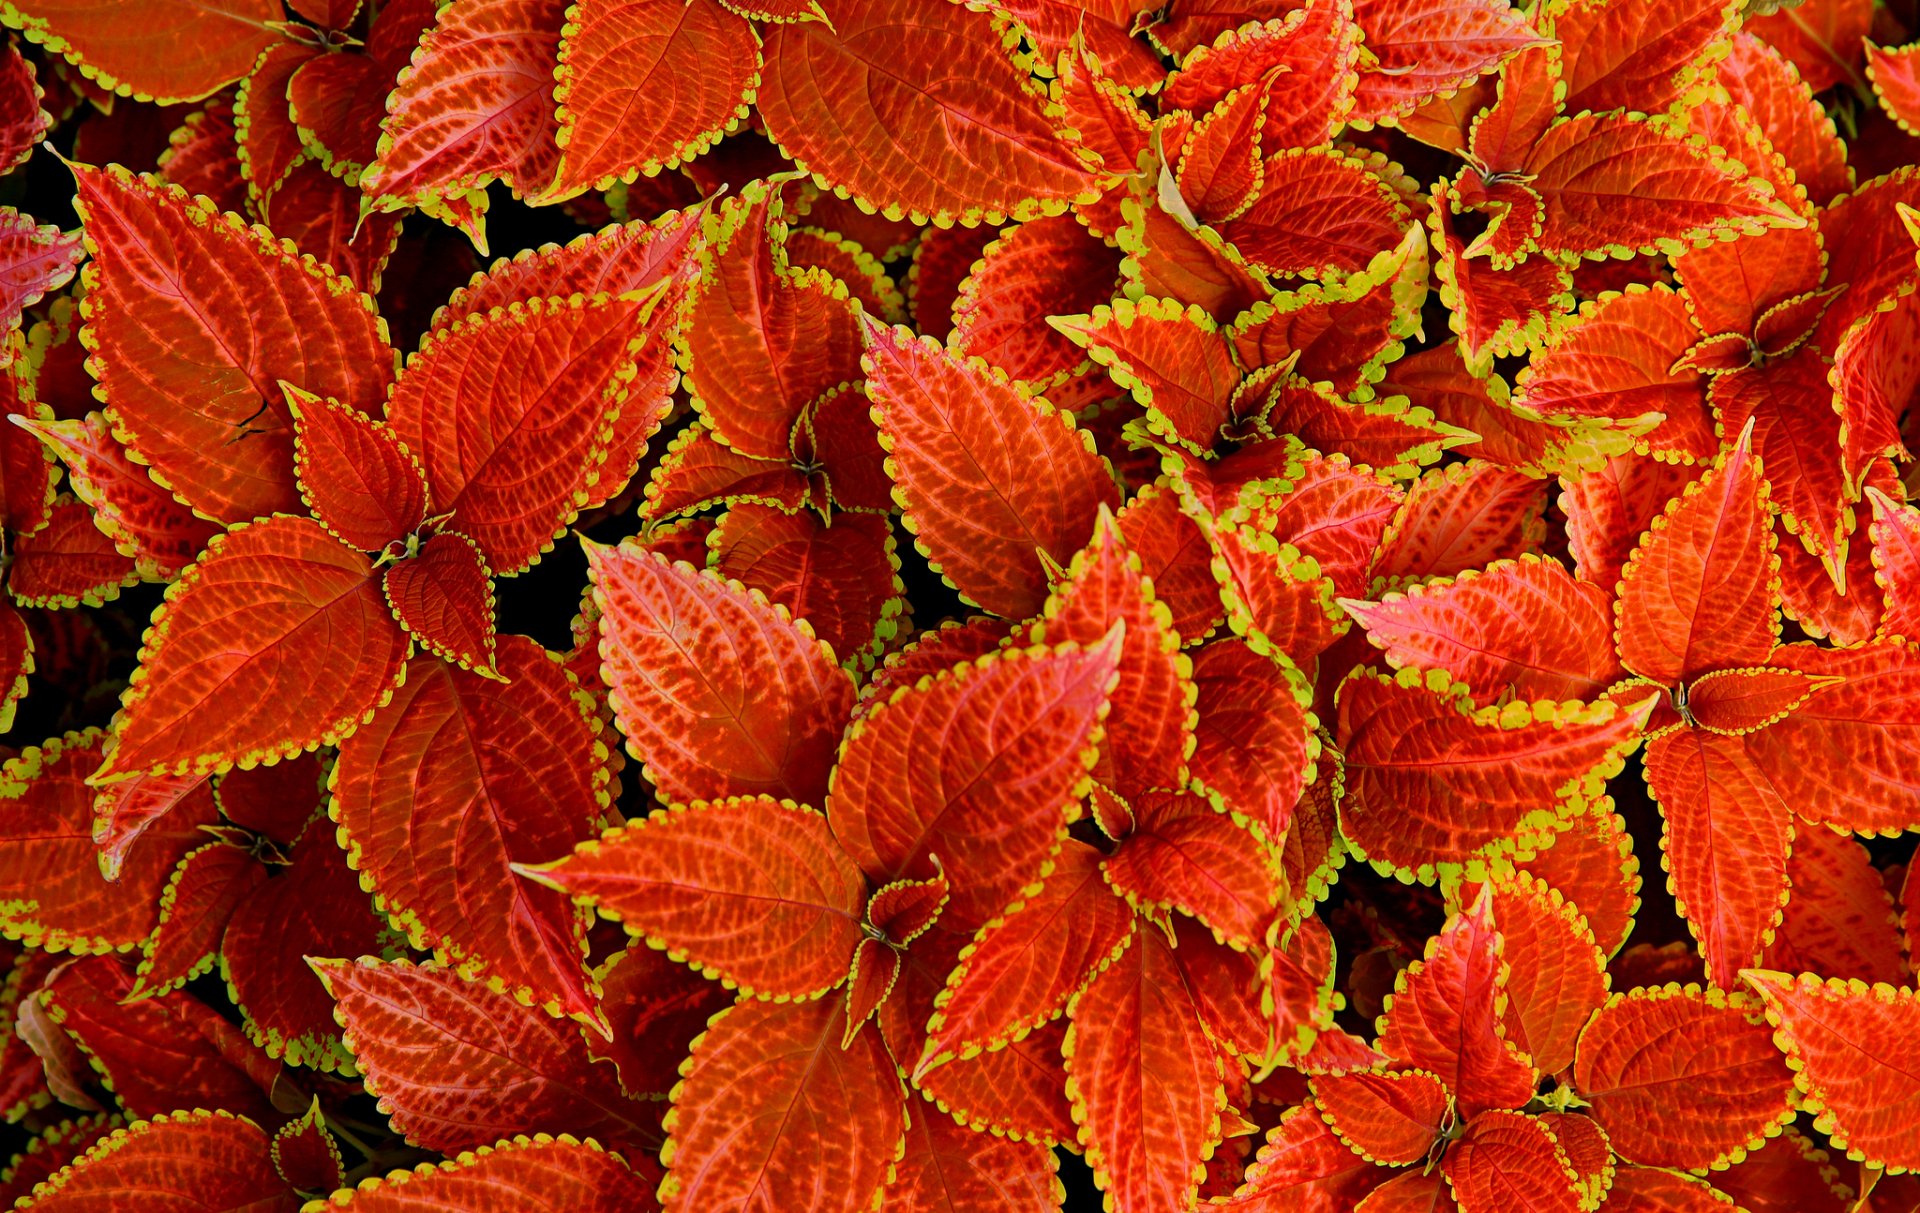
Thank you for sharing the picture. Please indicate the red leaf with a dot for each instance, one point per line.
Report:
(52, 1151)
(338, 100)
(1846, 1042)
(519, 1173)
(156, 50)
(616, 55)
(268, 140)
(697, 469)
(359, 481)
(1185, 854)
(1319, 209)
(311, 907)
(451, 784)
(457, 1066)
(311, 605)
(443, 596)
(969, 105)
(765, 721)
(1176, 556)
(1508, 1161)
(1389, 1117)
(1789, 1174)
(305, 1154)
(1035, 486)
(1896, 562)
(772, 1105)
(538, 387)
(1303, 1168)
(190, 357)
(616, 261)
(762, 342)
(194, 1160)
(1461, 517)
(1253, 742)
(655, 1008)
(321, 215)
(143, 520)
(23, 123)
(475, 105)
(1610, 508)
(157, 1053)
(1525, 626)
(1144, 1079)
(753, 891)
(1697, 593)
(1417, 756)
(1840, 920)
(34, 260)
(1797, 433)
(1556, 976)
(992, 810)
(1019, 1090)
(56, 896)
(1445, 1016)
(1032, 271)
(1426, 51)
(1653, 1190)
(208, 886)
(1171, 358)
(123, 811)
(1682, 1078)
(69, 562)
(1634, 58)
(1023, 967)
(947, 1168)
(841, 576)
(1592, 863)
(1304, 62)
(1275, 598)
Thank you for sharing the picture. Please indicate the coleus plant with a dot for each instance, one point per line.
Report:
(851, 668)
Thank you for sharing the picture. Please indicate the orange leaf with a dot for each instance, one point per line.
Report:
(443, 596)
(209, 1160)
(753, 891)
(1391, 1117)
(155, 50)
(1508, 1161)
(358, 479)
(312, 608)
(772, 1103)
(1682, 1078)
(519, 1173)
(434, 813)
(764, 720)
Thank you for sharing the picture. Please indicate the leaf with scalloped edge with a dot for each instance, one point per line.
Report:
(312, 906)
(1636, 57)
(617, 260)
(1894, 73)
(1524, 626)
(617, 56)
(1609, 508)
(1302, 1167)
(1840, 921)
(52, 1150)
(1150, 721)
(1591, 862)
(1144, 1078)
(754, 891)
(1727, 835)
(841, 575)
(1510, 1161)
(764, 342)
(949, 1168)
(200, 899)
(1614, 363)
(1275, 598)
(456, 1065)
(277, 801)
(55, 896)
(1445, 1016)
(1798, 435)
(1185, 854)
(142, 519)
(28, 473)
(655, 1006)
(68, 562)
(154, 50)
(764, 720)
(442, 594)
(34, 261)
(1035, 487)
(939, 90)
(1420, 52)
(696, 470)
(203, 156)
(520, 1173)
(1682, 1078)
(338, 101)
(1304, 61)
(1029, 273)
(1494, 312)
(213, 1161)
(1616, 182)
(1696, 594)
(771, 1103)
(1659, 1190)
(1170, 358)
(1254, 745)
(1417, 752)
(475, 105)
(358, 479)
(1024, 966)
(310, 605)
(1391, 1117)
(1461, 517)
(123, 811)
(16, 662)
(1895, 532)
(1319, 209)
(451, 784)
(269, 142)
(193, 320)
(1032, 720)
(538, 388)
(1789, 1174)
(1556, 975)
(157, 1053)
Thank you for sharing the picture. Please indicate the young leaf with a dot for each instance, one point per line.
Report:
(442, 595)
(357, 478)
